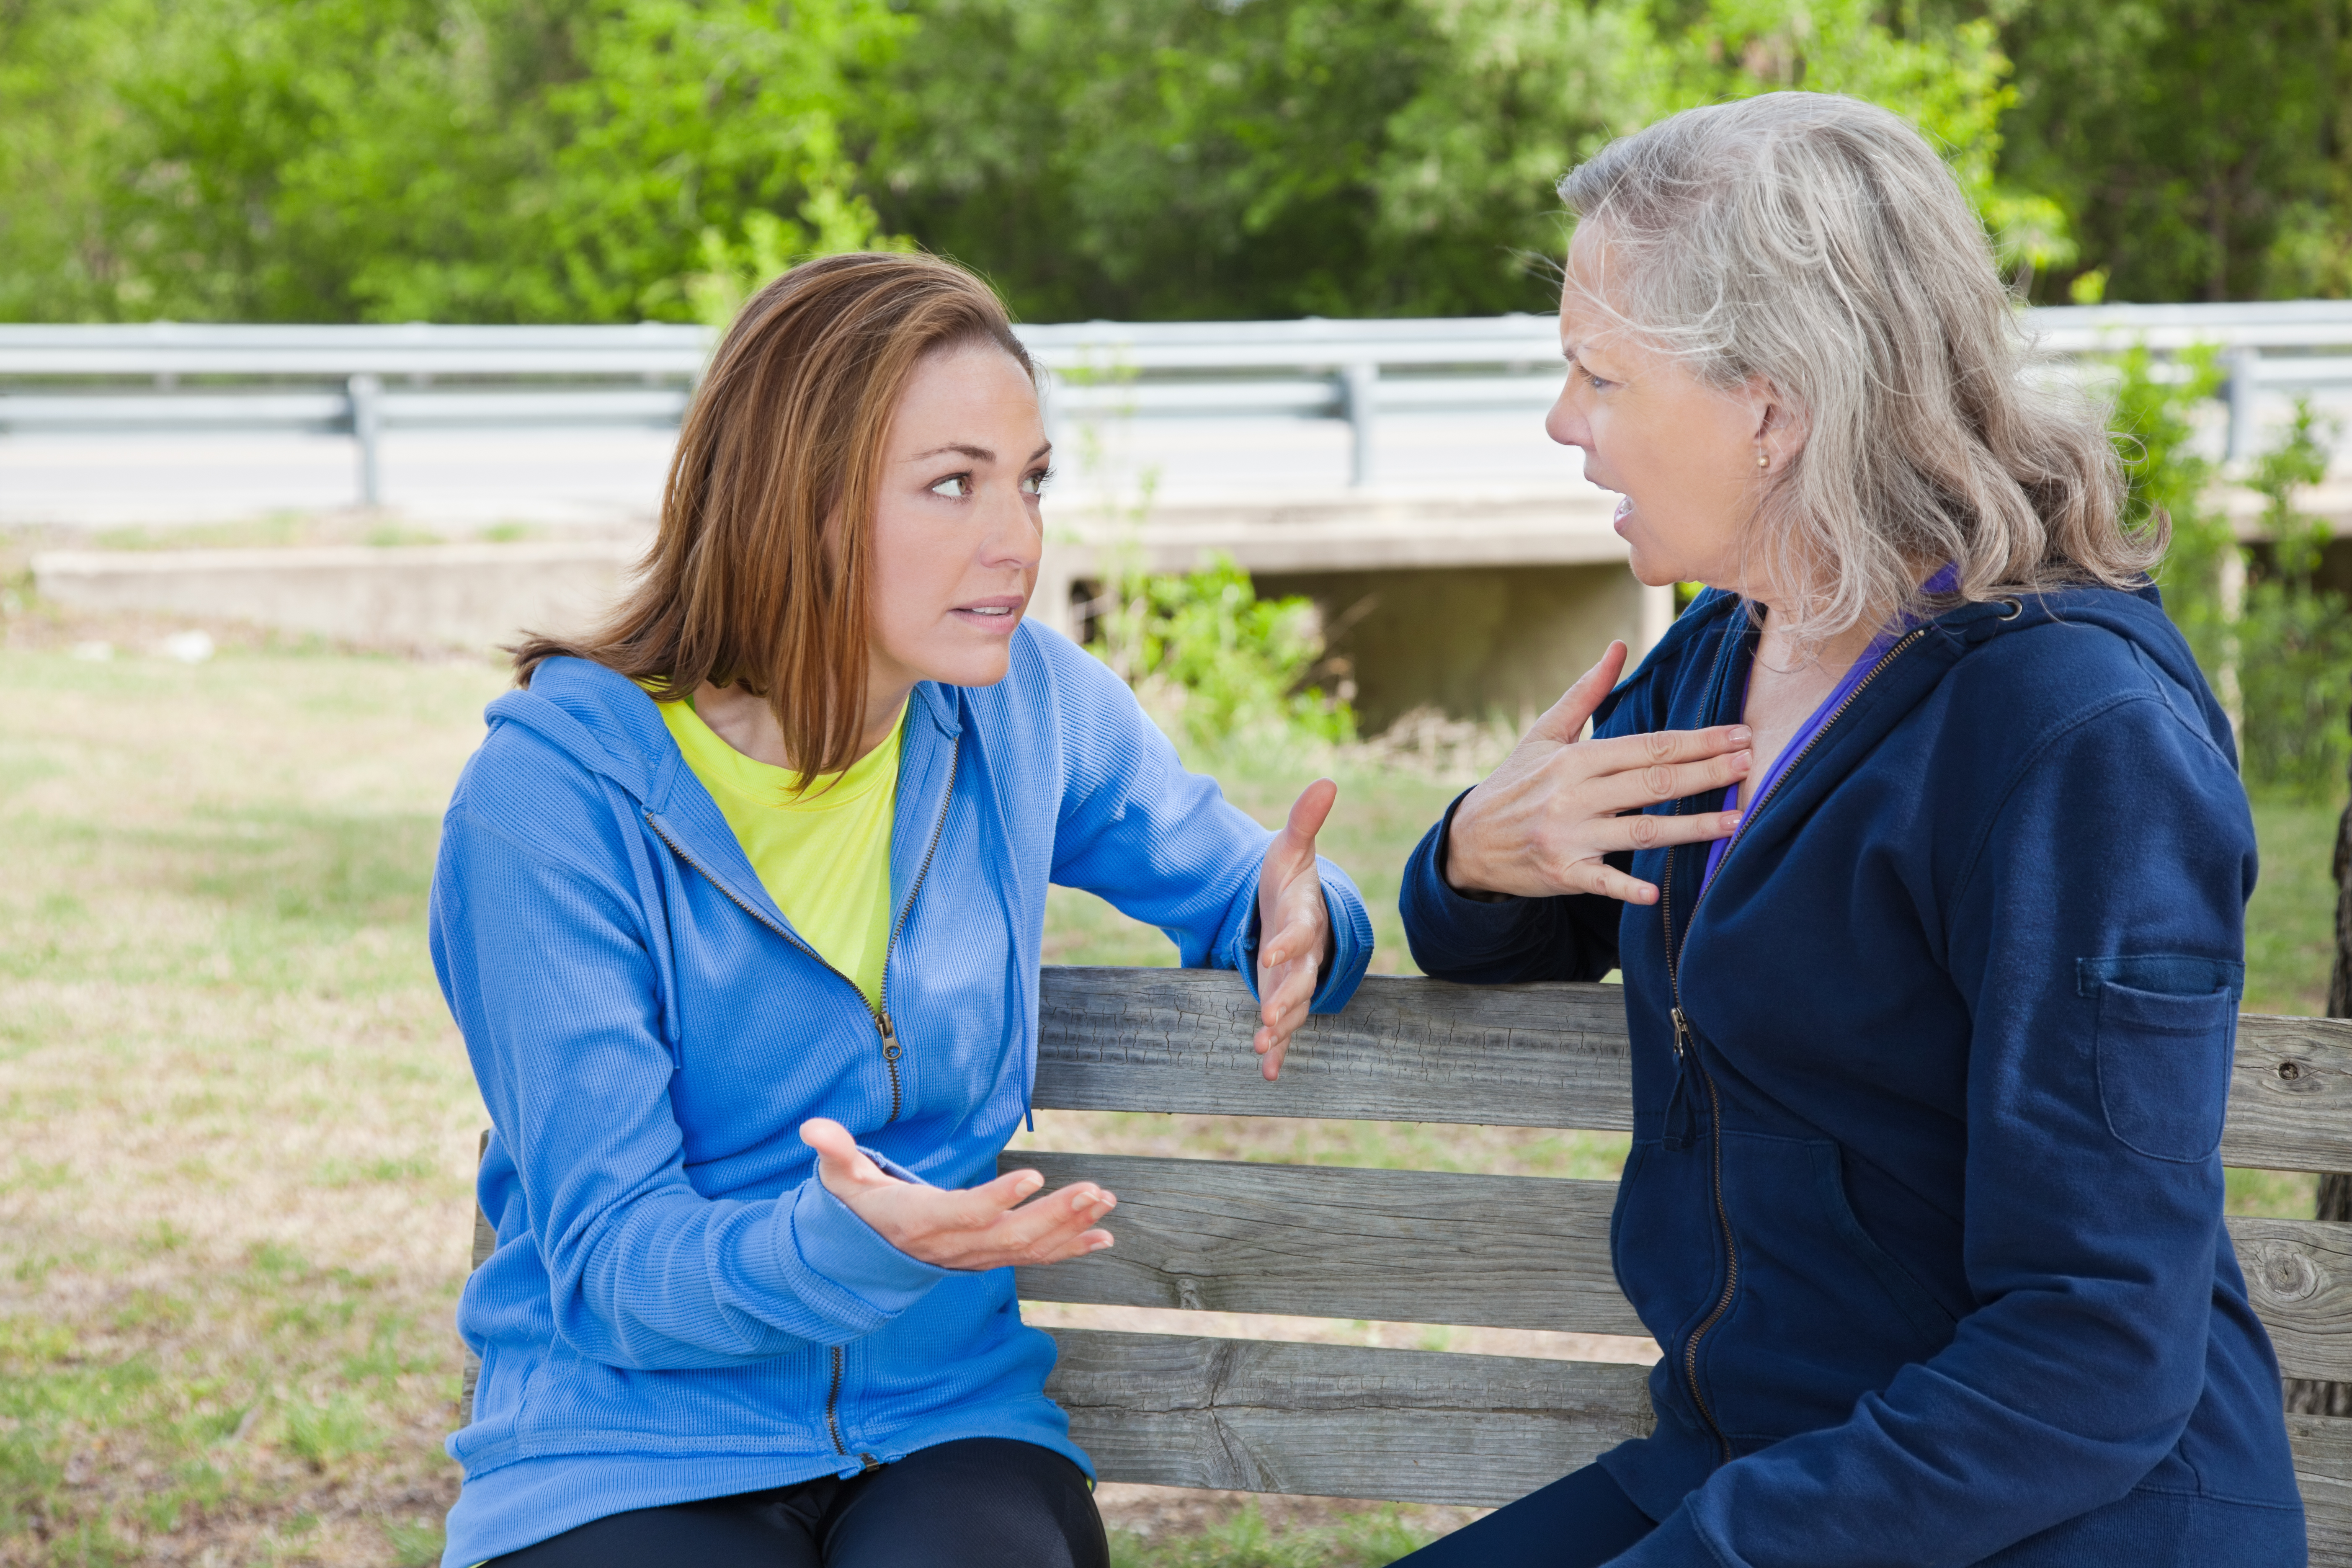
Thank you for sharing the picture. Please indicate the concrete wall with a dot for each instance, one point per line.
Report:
(1472, 640)
(474, 596)
(1468, 639)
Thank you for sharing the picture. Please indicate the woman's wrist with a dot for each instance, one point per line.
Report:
(1458, 879)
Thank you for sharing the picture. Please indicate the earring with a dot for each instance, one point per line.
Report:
(1762, 460)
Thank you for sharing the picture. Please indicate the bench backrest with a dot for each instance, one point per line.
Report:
(1501, 1251)
(1522, 1252)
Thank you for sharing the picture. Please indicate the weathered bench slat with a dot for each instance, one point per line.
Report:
(2291, 1095)
(2323, 1473)
(1404, 1050)
(1339, 1420)
(1510, 1252)
(2299, 1279)
(1421, 1427)
(1407, 1246)
(1521, 1056)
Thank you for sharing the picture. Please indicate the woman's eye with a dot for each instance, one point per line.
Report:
(1035, 484)
(955, 487)
(1597, 383)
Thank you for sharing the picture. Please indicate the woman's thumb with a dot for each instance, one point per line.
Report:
(1564, 721)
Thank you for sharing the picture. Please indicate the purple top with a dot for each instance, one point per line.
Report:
(1943, 581)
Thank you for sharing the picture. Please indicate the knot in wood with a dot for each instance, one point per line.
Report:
(1187, 1293)
(2286, 1272)
(2297, 1076)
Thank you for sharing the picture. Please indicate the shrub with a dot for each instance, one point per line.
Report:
(1216, 662)
(2276, 645)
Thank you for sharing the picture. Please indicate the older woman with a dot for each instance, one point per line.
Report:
(1920, 844)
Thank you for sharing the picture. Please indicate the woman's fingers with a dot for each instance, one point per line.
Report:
(1651, 832)
(1609, 793)
(1659, 748)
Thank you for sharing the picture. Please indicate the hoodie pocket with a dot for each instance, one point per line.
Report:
(2166, 1032)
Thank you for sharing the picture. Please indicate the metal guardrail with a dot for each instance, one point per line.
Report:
(365, 380)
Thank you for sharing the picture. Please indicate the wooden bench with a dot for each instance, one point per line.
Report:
(1512, 1252)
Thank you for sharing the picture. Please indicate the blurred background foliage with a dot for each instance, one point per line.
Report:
(616, 160)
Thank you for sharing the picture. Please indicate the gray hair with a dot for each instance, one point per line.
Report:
(1818, 244)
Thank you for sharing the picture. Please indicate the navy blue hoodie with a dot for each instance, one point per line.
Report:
(1923, 1201)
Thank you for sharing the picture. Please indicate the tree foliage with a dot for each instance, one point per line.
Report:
(607, 160)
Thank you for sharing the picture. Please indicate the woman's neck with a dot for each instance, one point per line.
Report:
(748, 723)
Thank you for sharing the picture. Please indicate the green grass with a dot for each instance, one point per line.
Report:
(236, 1128)
(2290, 923)
(1248, 1540)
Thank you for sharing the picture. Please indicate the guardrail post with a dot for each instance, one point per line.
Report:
(1358, 384)
(367, 421)
(2245, 369)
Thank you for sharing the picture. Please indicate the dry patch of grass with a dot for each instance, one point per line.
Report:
(237, 1128)
(238, 1124)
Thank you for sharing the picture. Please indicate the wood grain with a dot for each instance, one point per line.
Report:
(1521, 1056)
(1339, 1420)
(1405, 1246)
(2299, 1279)
(2323, 1472)
(2291, 1095)
(1404, 1050)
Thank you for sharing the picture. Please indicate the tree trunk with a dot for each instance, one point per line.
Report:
(2304, 1394)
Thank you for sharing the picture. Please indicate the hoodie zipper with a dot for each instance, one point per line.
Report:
(833, 1415)
(892, 1048)
(1687, 1046)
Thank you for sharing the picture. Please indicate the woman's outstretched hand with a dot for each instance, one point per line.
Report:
(1294, 926)
(987, 1226)
(1542, 821)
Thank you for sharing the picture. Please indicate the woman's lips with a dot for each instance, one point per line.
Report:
(999, 617)
(1624, 510)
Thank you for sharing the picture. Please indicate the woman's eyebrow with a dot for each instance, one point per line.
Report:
(977, 454)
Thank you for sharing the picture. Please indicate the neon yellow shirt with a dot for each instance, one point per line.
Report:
(824, 854)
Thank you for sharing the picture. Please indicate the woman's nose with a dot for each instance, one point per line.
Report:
(1016, 536)
(1566, 424)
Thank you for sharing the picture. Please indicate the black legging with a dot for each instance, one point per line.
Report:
(1581, 1520)
(983, 1502)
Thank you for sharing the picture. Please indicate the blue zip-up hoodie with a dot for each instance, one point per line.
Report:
(1923, 1201)
(677, 1309)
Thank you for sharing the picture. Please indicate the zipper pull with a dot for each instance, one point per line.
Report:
(1679, 1134)
(891, 1048)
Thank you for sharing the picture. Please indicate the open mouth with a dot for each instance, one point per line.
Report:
(996, 615)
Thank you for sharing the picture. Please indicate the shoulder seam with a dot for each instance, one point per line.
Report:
(2025, 764)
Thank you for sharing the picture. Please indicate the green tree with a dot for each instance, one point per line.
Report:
(2198, 147)
(1948, 76)
(458, 160)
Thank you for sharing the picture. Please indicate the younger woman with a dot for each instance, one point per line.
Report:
(739, 910)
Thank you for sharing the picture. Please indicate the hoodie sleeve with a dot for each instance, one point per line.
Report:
(548, 972)
(2095, 933)
(1164, 846)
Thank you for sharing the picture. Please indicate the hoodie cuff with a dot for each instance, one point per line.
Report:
(841, 1265)
(1351, 940)
(1458, 922)
(1676, 1543)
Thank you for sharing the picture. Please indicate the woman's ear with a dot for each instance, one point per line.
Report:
(1780, 428)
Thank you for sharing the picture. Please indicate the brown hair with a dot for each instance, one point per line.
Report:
(757, 575)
